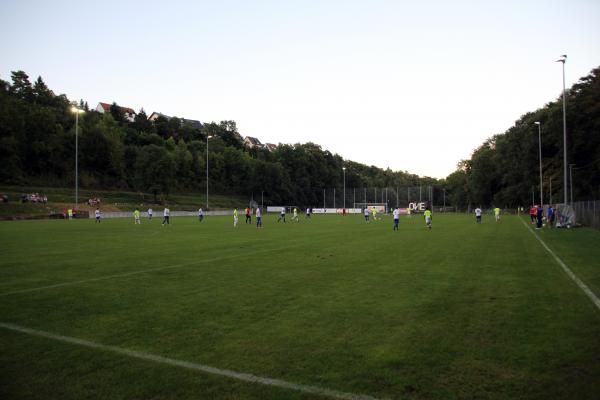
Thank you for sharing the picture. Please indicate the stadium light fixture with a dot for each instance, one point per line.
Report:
(344, 169)
(76, 111)
(207, 137)
(539, 125)
(563, 60)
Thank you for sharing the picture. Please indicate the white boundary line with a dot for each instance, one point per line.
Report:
(240, 376)
(574, 277)
(143, 271)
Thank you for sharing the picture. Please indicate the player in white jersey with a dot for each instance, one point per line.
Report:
(478, 215)
(281, 215)
(166, 215)
(97, 212)
(150, 214)
(258, 218)
(396, 213)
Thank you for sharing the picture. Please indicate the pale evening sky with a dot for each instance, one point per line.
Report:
(409, 85)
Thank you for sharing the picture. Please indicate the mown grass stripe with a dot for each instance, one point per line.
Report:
(568, 271)
(241, 376)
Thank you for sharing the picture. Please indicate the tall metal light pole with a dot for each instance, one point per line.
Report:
(207, 137)
(77, 111)
(344, 169)
(562, 60)
(539, 124)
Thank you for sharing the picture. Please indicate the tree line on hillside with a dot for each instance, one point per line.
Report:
(37, 146)
(504, 170)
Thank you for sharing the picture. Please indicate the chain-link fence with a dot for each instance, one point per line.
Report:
(350, 197)
(588, 213)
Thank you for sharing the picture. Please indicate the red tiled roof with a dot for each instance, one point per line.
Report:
(106, 108)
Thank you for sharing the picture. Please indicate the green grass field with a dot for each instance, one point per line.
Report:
(463, 311)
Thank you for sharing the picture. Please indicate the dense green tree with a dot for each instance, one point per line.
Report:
(117, 113)
(504, 171)
(21, 86)
(154, 170)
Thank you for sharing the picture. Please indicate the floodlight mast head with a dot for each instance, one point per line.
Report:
(537, 122)
(562, 59)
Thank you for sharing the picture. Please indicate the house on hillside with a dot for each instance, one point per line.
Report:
(270, 146)
(155, 115)
(193, 122)
(104, 108)
(252, 142)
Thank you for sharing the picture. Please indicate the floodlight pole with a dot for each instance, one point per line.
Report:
(76, 159)
(207, 137)
(344, 169)
(539, 124)
(77, 111)
(562, 60)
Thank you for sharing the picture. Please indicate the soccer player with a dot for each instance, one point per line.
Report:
(550, 216)
(366, 214)
(235, 217)
(200, 215)
(97, 212)
(136, 217)
(150, 214)
(258, 218)
(533, 213)
(396, 213)
(539, 214)
(497, 214)
(166, 214)
(295, 217)
(408, 212)
(427, 214)
(70, 213)
(281, 215)
(374, 211)
(478, 215)
(307, 212)
(248, 216)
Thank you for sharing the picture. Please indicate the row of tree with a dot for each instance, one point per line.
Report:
(504, 170)
(37, 144)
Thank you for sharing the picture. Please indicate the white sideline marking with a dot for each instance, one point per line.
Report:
(143, 271)
(241, 376)
(574, 277)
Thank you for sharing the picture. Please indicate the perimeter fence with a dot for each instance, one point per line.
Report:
(587, 213)
(432, 196)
